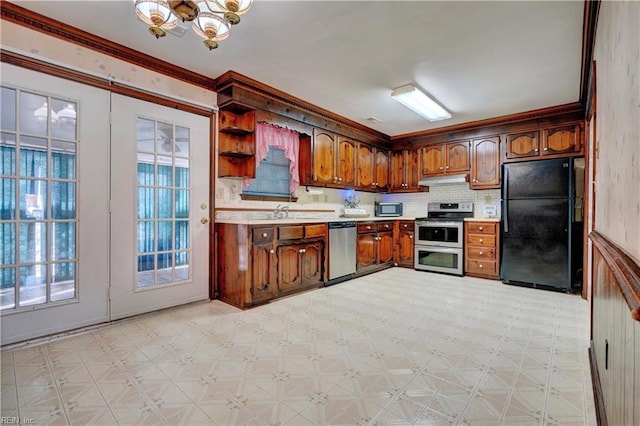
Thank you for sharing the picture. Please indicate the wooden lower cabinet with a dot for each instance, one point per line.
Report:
(374, 245)
(299, 266)
(482, 257)
(256, 264)
(404, 243)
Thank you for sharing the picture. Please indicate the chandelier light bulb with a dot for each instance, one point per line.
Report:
(157, 14)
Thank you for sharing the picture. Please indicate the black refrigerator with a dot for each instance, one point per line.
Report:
(537, 217)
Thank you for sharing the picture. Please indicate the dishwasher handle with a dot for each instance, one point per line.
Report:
(338, 225)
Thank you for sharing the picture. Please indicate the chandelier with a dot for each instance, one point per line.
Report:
(211, 19)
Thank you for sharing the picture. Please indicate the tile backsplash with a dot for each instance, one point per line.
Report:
(415, 204)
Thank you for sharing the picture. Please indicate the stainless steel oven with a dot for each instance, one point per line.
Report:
(439, 238)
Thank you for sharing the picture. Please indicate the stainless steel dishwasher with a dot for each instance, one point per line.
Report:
(342, 251)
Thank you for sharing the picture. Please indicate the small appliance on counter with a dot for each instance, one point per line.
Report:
(388, 209)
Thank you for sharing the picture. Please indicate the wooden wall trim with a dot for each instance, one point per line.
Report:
(589, 25)
(102, 83)
(573, 110)
(625, 269)
(26, 18)
(598, 397)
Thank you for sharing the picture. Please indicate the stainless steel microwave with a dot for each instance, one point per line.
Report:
(388, 209)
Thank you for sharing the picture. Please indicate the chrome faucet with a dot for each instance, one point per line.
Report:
(285, 210)
(281, 212)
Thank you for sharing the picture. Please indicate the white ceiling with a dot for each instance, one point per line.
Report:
(479, 59)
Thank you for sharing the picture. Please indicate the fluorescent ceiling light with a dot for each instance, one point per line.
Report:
(415, 99)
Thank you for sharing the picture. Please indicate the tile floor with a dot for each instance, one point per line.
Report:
(396, 347)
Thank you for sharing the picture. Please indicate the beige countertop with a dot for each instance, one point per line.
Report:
(482, 219)
(299, 220)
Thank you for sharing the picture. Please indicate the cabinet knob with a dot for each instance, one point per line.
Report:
(481, 253)
(441, 167)
(411, 237)
(535, 150)
(339, 179)
(481, 240)
(475, 180)
(272, 251)
(447, 167)
(480, 228)
(405, 225)
(546, 149)
(301, 250)
(264, 235)
(480, 266)
(386, 225)
(368, 227)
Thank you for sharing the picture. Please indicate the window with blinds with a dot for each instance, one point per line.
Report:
(272, 176)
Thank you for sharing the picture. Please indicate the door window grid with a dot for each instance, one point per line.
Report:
(163, 201)
(38, 197)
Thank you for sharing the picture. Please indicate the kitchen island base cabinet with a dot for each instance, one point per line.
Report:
(256, 264)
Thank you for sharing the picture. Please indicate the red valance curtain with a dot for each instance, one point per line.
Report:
(278, 137)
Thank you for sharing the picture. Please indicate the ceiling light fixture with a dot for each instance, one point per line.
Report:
(413, 98)
(211, 19)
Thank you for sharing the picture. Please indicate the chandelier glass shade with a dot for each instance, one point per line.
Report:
(210, 19)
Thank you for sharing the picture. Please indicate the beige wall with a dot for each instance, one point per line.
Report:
(33, 43)
(617, 55)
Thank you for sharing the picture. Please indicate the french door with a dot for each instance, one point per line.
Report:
(54, 219)
(159, 211)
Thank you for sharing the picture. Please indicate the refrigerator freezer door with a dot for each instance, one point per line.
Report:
(536, 249)
(538, 179)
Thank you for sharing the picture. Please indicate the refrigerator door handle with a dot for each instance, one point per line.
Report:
(505, 200)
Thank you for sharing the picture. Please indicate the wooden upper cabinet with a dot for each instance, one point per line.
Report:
(445, 158)
(346, 161)
(485, 166)
(521, 145)
(236, 141)
(457, 157)
(324, 153)
(562, 140)
(382, 169)
(405, 170)
(397, 166)
(433, 160)
(413, 168)
(366, 166)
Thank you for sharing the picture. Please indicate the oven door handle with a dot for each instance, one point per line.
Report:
(440, 224)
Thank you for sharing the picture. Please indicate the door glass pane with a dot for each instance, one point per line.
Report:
(7, 154)
(8, 111)
(7, 243)
(7, 288)
(65, 126)
(33, 285)
(7, 199)
(63, 160)
(33, 198)
(35, 114)
(33, 157)
(63, 240)
(33, 242)
(159, 235)
(63, 200)
(63, 284)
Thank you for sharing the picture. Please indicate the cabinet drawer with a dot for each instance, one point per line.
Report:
(482, 228)
(384, 226)
(479, 253)
(319, 230)
(406, 225)
(363, 228)
(481, 240)
(482, 267)
(262, 235)
(290, 232)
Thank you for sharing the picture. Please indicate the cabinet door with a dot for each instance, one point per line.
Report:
(366, 165)
(366, 255)
(397, 170)
(405, 248)
(457, 157)
(522, 145)
(385, 247)
(263, 272)
(346, 162)
(412, 164)
(289, 273)
(324, 156)
(433, 160)
(485, 168)
(561, 140)
(382, 170)
(312, 261)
